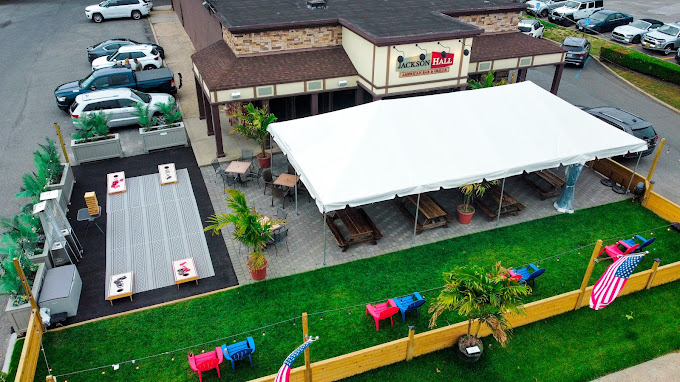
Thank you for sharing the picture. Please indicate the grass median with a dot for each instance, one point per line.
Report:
(249, 310)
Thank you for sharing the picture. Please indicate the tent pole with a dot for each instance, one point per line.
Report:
(500, 204)
(415, 224)
(324, 237)
(296, 182)
(634, 171)
(271, 153)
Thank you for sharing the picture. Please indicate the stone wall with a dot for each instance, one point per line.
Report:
(493, 22)
(273, 41)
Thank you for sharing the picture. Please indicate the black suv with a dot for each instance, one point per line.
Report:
(630, 123)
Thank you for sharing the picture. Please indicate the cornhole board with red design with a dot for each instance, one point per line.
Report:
(115, 183)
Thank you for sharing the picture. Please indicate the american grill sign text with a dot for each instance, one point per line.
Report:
(432, 64)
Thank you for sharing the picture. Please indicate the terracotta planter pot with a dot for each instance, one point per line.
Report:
(259, 274)
(463, 345)
(465, 217)
(265, 162)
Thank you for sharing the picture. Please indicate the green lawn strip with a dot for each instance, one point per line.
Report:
(665, 91)
(242, 309)
(575, 346)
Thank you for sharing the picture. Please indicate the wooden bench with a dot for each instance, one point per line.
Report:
(546, 182)
(339, 238)
(489, 203)
(360, 227)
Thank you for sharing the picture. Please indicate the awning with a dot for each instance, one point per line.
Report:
(376, 151)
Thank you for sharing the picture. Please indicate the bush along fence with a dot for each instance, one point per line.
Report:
(641, 63)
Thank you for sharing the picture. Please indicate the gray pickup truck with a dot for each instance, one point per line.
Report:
(155, 81)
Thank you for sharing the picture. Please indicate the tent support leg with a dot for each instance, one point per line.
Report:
(415, 224)
(271, 153)
(500, 204)
(296, 206)
(324, 238)
(634, 171)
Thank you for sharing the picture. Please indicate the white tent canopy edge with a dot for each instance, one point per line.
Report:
(377, 151)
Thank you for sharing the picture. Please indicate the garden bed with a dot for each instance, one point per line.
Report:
(567, 240)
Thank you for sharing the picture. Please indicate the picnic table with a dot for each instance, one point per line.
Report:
(432, 213)
(546, 182)
(360, 227)
(489, 203)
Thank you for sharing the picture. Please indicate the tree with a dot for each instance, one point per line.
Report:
(255, 122)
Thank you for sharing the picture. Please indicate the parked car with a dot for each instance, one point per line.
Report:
(628, 122)
(573, 11)
(633, 32)
(118, 105)
(543, 8)
(603, 21)
(115, 9)
(108, 47)
(666, 38)
(677, 56)
(156, 80)
(148, 56)
(578, 50)
(531, 27)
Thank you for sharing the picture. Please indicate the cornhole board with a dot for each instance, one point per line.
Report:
(167, 173)
(125, 290)
(184, 271)
(115, 183)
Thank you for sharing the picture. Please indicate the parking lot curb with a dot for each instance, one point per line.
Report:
(653, 98)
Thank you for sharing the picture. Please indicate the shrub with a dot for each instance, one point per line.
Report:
(169, 112)
(641, 63)
(142, 114)
(91, 127)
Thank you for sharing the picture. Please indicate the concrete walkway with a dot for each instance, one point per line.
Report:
(662, 369)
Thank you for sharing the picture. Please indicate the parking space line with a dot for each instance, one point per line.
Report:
(630, 46)
(578, 74)
(667, 58)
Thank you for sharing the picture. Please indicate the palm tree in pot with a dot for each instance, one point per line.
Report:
(470, 192)
(250, 229)
(482, 296)
(253, 125)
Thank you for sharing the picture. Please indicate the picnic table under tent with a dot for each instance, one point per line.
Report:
(409, 146)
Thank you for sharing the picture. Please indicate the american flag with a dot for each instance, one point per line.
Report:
(284, 372)
(612, 281)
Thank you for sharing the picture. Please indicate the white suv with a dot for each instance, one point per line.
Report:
(118, 104)
(147, 55)
(115, 9)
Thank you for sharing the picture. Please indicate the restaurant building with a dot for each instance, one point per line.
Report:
(305, 57)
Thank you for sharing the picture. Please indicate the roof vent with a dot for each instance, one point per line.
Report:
(316, 4)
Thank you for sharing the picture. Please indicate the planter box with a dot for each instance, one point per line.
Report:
(93, 151)
(19, 315)
(65, 185)
(43, 258)
(171, 136)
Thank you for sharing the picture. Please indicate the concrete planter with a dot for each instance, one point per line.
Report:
(65, 185)
(93, 151)
(167, 136)
(19, 315)
(43, 258)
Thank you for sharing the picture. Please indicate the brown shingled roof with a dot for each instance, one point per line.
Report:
(222, 70)
(489, 47)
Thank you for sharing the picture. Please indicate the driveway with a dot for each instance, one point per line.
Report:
(593, 86)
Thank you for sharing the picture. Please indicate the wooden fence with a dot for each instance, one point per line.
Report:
(31, 350)
(346, 365)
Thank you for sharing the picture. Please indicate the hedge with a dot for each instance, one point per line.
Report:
(641, 63)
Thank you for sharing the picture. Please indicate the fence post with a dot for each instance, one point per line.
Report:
(648, 191)
(305, 336)
(651, 277)
(27, 290)
(61, 142)
(656, 159)
(50, 378)
(409, 350)
(589, 271)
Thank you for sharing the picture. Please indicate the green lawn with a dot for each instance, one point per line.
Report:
(576, 346)
(240, 310)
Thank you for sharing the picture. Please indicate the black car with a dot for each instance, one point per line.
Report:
(108, 47)
(630, 123)
(578, 50)
(604, 21)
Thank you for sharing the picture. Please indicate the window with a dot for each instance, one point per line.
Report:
(136, 55)
(599, 3)
(92, 106)
(120, 56)
(111, 104)
(583, 6)
(126, 102)
(119, 79)
(154, 51)
(112, 47)
(100, 83)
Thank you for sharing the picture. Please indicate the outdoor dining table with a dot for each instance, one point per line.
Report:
(286, 180)
(237, 167)
(434, 216)
(360, 227)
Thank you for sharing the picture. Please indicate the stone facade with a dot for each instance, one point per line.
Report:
(279, 40)
(493, 22)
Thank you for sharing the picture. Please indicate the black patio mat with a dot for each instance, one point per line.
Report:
(92, 267)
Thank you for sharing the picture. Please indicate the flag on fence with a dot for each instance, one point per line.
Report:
(284, 372)
(612, 281)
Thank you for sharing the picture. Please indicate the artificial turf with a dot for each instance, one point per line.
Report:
(242, 311)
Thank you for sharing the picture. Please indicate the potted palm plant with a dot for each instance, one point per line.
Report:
(92, 140)
(470, 192)
(482, 296)
(162, 130)
(253, 125)
(250, 229)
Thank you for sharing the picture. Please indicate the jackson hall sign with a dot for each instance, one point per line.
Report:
(434, 62)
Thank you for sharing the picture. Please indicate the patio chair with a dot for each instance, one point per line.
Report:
(530, 273)
(279, 236)
(268, 180)
(631, 242)
(216, 166)
(617, 250)
(279, 193)
(206, 361)
(291, 169)
(246, 156)
(227, 180)
(408, 304)
(252, 175)
(382, 312)
(301, 187)
(239, 351)
(281, 214)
